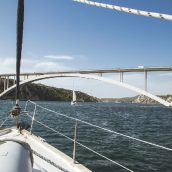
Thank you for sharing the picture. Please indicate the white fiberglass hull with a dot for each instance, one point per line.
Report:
(45, 157)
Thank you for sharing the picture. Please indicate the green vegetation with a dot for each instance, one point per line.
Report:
(33, 91)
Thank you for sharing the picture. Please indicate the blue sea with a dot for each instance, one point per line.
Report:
(152, 123)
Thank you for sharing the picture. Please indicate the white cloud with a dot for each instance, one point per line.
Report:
(49, 66)
(31, 65)
(7, 65)
(59, 57)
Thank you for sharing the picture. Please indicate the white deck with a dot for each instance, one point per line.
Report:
(46, 158)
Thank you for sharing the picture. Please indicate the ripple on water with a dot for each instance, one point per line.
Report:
(151, 123)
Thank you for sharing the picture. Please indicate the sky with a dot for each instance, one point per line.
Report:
(64, 35)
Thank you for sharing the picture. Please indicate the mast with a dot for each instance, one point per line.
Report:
(74, 96)
(20, 20)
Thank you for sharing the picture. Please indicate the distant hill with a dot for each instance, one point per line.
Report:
(33, 91)
(137, 99)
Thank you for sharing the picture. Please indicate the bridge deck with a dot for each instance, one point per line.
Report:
(113, 70)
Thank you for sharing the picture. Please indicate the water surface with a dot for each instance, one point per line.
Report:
(152, 123)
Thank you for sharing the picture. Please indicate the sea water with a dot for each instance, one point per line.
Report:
(152, 123)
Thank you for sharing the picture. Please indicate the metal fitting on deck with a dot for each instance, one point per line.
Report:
(15, 110)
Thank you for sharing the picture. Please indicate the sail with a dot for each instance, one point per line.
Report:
(74, 96)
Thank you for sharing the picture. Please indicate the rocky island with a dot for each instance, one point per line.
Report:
(137, 99)
(42, 92)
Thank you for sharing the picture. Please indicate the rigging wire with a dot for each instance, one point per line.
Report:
(3, 121)
(127, 10)
(93, 125)
(46, 126)
(102, 128)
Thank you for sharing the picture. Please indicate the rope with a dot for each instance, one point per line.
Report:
(81, 144)
(105, 129)
(127, 10)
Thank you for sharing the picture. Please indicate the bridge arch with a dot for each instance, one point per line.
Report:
(94, 77)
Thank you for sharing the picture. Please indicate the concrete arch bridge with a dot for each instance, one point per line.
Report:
(89, 75)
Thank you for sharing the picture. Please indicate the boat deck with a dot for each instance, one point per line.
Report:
(46, 158)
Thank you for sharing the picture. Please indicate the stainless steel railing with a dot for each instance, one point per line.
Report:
(74, 140)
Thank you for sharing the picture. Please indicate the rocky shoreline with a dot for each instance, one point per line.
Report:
(137, 99)
(42, 92)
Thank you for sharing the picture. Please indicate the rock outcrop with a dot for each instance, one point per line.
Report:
(33, 91)
(138, 99)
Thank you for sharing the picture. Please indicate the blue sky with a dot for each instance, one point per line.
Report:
(64, 35)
